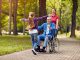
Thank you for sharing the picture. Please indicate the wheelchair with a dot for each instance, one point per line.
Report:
(53, 44)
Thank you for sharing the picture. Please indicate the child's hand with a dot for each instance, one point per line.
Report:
(23, 19)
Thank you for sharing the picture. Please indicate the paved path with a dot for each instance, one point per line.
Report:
(69, 50)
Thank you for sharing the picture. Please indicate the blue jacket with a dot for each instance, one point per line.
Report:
(44, 28)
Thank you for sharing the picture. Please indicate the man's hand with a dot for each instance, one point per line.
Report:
(50, 28)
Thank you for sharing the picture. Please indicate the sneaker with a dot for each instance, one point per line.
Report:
(34, 52)
(37, 49)
(42, 50)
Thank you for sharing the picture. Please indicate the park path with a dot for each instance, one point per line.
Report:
(69, 50)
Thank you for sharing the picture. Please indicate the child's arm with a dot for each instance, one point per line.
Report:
(25, 20)
(41, 18)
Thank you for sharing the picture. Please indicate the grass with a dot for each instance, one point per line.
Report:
(11, 44)
(77, 34)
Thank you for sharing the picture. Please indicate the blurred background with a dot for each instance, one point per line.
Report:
(11, 12)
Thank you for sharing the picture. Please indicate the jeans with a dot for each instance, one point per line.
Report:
(34, 40)
(46, 38)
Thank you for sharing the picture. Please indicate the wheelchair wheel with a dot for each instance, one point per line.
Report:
(53, 46)
(50, 47)
(56, 44)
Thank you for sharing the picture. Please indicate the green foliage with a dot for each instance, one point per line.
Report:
(33, 5)
(10, 44)
(78, 14)
(66, 10)
(20, 27)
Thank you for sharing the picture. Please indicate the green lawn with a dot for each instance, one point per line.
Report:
(10, 44)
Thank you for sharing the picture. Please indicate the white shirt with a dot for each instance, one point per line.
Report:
(47, 31)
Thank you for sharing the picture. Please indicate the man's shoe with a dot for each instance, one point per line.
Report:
(42, 50)
(37, 49)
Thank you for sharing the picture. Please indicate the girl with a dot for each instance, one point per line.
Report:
(32, 28)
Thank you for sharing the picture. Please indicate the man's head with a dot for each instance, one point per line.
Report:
(48, 20)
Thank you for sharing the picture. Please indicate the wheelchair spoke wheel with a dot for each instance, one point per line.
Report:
(56, 44)
(53, 46)
(50, 47)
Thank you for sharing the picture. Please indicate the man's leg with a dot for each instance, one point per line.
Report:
(40, 37)
(47, 38)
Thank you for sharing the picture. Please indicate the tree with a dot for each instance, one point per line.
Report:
(42, 9)
(10, 15)
(15, 5)
(73, 27)
(0, 16)
(24, 17)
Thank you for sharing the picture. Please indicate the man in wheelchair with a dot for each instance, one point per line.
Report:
(47, 34)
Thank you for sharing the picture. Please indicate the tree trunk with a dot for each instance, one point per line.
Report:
(0, 17)
(24, 17)
(10, 15)
(73, 27)
(42, 9)
(36, 8)
(15, 5)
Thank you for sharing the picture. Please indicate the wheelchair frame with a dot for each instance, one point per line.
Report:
(53, 45)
